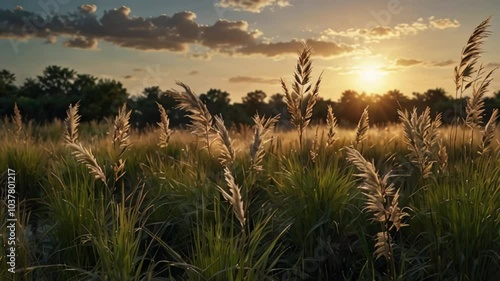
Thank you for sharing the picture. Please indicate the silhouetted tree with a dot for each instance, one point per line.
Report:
(254, 102)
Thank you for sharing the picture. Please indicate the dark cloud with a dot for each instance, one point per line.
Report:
(174, 33)
(247, 79)
(321, 48)
(227, 34)
(254, 6)
(194, 72)
(128, 76)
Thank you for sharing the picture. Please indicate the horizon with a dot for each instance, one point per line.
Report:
(367, 47)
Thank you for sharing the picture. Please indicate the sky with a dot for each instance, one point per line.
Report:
(239, 46)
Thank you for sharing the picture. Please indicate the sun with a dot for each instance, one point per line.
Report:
(371, 74)
(371, 77)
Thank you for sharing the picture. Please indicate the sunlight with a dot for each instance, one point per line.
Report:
(371, 77)
(371, 74)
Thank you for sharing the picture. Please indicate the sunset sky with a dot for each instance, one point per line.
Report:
(242, 45)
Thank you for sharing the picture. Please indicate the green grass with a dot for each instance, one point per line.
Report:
(305, 219)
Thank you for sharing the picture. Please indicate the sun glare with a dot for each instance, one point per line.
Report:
(371, 77)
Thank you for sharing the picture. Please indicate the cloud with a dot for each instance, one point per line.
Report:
(138, 69)
(194, 72)
(254, 6)
(321, 48)
(224, 34)
(400, 63)
(408, 62)
(128, 77)
(176, 33)
(493, 64)
(87, 8)
(248, 79)
(443, 23)
(444, 63)
(397, 31)
(82, 43)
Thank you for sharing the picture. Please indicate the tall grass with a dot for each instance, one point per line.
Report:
(115, 204)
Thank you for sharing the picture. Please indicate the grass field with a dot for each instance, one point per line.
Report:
(302, 219)
(411, 201)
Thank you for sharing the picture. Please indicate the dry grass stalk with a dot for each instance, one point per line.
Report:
(362, 128)
(121, 125)
(86, 157)
(164, 124)
(201, 119)
(302, 89)
(442, 156)
(313, 153)
(227, 154)
(381, 201)
(234, 198)
(475, 105)
(71, 124)
(488, 133)
(17, 119)
(382, 246)
(331, 122)
(262, 129)
(470, 55)
(421, 137)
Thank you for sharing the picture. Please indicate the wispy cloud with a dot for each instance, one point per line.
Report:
(397, 31)
(248, 79)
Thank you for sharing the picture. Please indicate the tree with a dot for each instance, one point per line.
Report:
(57, 80)
(103, 101)
(254, 102)
(7, 80)
(217, 102)
(388, 105)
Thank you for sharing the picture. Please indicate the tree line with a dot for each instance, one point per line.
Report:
(47, 96)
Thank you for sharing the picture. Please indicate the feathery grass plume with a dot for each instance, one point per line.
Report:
(235, 198)
(475, 105)
(488, 133)
(381, 201)
(262, 129)
(71, 124)
(302, 89)
(442, 156)
(164, 125)
(421, 138)
(17, 119)
(331, 122)
(470, 55)
(121, 124)
(382, 247)
(313, 153)
(362, 128)
(201, 118)
(86, 157)
(227, 154)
